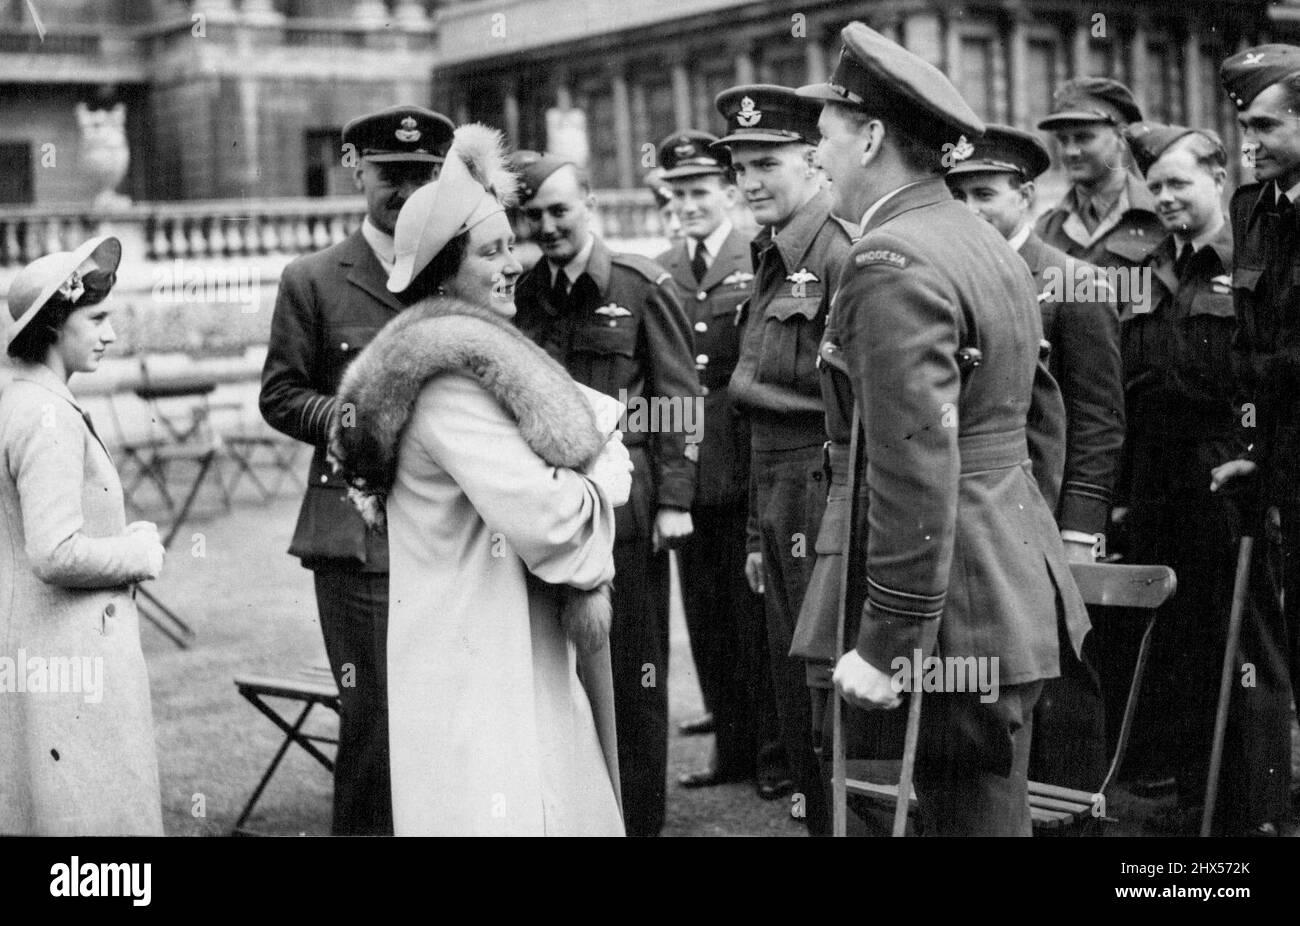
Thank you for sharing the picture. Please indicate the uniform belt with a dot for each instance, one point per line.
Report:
(716, 378)
(979, 452)
(835, 460)
(996, 450)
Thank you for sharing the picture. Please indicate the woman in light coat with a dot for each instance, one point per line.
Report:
(499, 489)
(77, 753)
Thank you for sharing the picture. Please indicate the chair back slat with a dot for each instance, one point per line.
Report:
(1117, 585)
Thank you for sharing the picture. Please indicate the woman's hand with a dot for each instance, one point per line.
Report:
(154, 551)
(612, 470)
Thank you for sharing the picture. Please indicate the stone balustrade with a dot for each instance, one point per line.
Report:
(217, 229)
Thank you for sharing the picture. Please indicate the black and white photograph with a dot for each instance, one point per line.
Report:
(679, 418)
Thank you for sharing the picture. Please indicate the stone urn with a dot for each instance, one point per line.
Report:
(104, 153)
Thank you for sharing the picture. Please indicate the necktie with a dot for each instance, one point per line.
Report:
(560, 290)
(1184, 259)
(699, 266)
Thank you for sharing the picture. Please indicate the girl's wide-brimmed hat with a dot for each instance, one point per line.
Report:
(475, 183)
(61, 272)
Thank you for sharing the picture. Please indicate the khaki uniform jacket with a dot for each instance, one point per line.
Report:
(330, 305)
(962, 549)
(712, 305)
(1121, 240)
(776, 382)
(1084, 359)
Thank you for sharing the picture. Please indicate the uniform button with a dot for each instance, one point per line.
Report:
(612, 323)
(702, 359)
(701, 327)
(324, 478)
(704, 390)
(110, 610)
(701, 296)
(343, 346)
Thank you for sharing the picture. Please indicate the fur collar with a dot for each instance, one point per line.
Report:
(441, 335)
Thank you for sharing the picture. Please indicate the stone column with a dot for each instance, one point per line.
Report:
(744, 66)
(814, 52)
(622, 126)
(1080, 66)
(1193, 91)
(510, 110)
(1018, 69)
(1137, 63)
(681, 96)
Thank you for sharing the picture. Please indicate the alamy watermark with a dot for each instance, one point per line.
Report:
(180, 283)
(948, 674)
(662, 415)
(1081, 282)
(24, 674)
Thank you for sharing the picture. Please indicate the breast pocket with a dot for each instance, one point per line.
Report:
(604, 357)
(792, 334)
(1207, 334)
(1247, 278)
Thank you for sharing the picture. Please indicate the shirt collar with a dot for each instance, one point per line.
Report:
(1292, 194)
(578, 266)
(1017, 240)
(797, 236)
(875, 207)
(380, 242)
(1106, 200)
(713, 242)
(1201, 240)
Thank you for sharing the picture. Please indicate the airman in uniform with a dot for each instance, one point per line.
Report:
(997, 183)
(1182, 405)
(712, 269)
(330, 305)
(1263, 85)
(615, 322)
(1107, 217)
(771, 134)
(962, 549)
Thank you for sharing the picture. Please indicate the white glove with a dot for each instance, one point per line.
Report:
(612, 470)
(146, 534)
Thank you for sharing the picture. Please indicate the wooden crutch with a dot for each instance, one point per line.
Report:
(839, 765)
(1240, 587)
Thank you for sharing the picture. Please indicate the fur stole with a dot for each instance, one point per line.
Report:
(440, 335)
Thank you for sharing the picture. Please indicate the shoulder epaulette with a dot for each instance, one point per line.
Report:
(642, 265)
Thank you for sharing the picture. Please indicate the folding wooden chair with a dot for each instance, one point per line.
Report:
(1052, 807)
(311, 686)
(178, 433)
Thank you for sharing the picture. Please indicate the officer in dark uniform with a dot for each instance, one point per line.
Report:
(712, 268)
(614, 321)
(1107, 217)
(330, 304)
(797, 258)
(962, 550)
(1261, 82)
(997, 183)
(1181, 400)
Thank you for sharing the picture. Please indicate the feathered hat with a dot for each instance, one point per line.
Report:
(475, 183)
